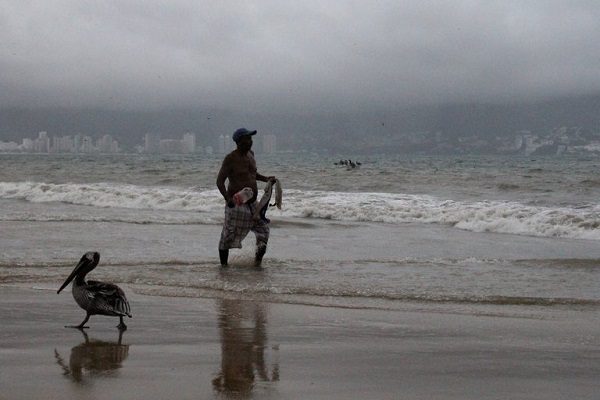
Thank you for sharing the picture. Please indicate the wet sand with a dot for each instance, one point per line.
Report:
(190, 348)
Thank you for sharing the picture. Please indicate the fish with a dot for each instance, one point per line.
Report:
(263, 204)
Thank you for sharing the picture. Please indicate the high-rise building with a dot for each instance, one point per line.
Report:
(9, 146)
(152, 143)
(188, 143)
(63, 144)
(42, 143)
(27, 144)
(170, 146)
(87, 145)
(105, 144)
(77, 143)
(114, 147)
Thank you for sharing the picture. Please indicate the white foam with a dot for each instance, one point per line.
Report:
(114, 195)
(483, 216)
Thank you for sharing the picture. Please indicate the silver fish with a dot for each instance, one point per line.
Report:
(263, 204)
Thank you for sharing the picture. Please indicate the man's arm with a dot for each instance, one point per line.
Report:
(221, 177)
(263, 178)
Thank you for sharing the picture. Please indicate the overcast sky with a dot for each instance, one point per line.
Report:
(294, 55)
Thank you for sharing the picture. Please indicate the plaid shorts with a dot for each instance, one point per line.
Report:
(238, 222)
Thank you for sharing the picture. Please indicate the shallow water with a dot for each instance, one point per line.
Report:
(452, 233)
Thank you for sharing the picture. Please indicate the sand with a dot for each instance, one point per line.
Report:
(194, 348)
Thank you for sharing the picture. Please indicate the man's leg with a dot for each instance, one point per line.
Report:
(227, 236)
(223, 255)
(261, 230)
(261, 249)
(237, 224)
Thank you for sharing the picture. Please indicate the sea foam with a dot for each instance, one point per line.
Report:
(482, 216)
(114, 195)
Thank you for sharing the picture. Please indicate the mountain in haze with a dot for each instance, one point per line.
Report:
(295, 130)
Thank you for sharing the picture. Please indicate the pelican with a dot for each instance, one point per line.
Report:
(96, 297)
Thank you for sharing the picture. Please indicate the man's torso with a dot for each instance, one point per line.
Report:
(241, 172)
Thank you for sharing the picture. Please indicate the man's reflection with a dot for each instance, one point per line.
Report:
(243, 331)
(93, 357)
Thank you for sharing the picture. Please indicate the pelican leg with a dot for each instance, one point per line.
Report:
(81, 325)
(121, 325)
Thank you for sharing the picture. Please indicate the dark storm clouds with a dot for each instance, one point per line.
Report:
(285, 55)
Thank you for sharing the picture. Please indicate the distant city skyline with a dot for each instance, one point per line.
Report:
(558, 141)
(76, 144)
(106, 144)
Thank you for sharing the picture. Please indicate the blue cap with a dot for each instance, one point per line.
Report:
(237, 135)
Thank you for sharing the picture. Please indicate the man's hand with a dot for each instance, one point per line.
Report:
(271, 179)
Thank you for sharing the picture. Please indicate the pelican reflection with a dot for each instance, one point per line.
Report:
(93, 358)
(243, 330)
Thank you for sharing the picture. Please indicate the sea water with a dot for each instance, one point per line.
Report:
(461, 233)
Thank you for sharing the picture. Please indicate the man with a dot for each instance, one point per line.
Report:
(239, 168)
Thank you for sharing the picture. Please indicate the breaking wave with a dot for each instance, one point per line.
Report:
(205, 206)
(113, 195)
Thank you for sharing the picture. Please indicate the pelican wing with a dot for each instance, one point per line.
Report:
(108, 299)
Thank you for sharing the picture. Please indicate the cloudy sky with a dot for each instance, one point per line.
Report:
(293, 55)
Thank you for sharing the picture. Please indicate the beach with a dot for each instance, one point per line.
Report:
(442, 287)
(213, 348)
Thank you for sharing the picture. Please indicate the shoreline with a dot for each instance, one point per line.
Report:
(214, 348)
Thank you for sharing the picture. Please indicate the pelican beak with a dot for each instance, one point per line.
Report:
(78, 268)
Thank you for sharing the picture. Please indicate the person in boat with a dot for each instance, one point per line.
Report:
(239, 170)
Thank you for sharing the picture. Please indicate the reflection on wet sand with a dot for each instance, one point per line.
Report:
(93, 357)
(243, 328)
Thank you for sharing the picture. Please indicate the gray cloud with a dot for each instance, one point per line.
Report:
(302, 56)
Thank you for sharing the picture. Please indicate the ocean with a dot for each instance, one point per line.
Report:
(466, 234)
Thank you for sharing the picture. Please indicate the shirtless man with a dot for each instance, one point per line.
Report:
(239, 168)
